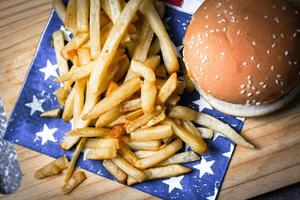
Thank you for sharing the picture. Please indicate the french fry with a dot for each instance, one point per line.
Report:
(169, 139)
(123, 68)
(61, 95)
(144, 145)
(119, 120)
(188, 125)
(161, 71)
(105, 30)
(95, 7)
(106, 8)
(83, 15)
(102, 143)
(129, 169)
(103, 19)
(111, 87)
(161, 172)
(112, 168)
(173, 100)
(134, 114)
(108, 117)
(152, 133)
(126, 153)
(195, 142)
(89, 132)
(60, 9)
(118, 130)
(154, 48)
(74, 43)
(188, 82)
(167, 89)
(119, 95)
(166, 45)
(144, 154)
(69, 142)
(71, 18)
(220, 127)
(184, 157)
(148, 96)
(77, 178)
(179, 89)
(130, 105)
(68, 110)
(142, 70)
(58, 42)
(160, 155)
(78, 103)
(84, 56)
(52, 168)
(157, 119)
(160, 7)
(101, 153)
(206, 133)
(54, 113)
(152, 62)
(184, 113)
(74, 159)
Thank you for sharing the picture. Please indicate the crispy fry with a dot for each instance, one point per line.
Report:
(103, 19)
(129, 169)
(77, 178)
(160, 7)
(206, 133)
(60, 9)
(188, 82)
(118, 130)
(160, 155)
(58, 42)
(144, 145)
(152, 133)
(166, 45)
(152, 62)
(220, 127)
(179, 89)
(106, 8)
(61, 95)
(188, 125)
(108, 117)
(130, 105)
(144, 154)
(161, 71)
(71, 18)
(161, 172)
(52, 168)
(78, 103)
(83, 15)
(126, 153)
(134, 114)
(173, 100)
(84, 56)
(101, 153)
(112, 168)
(169, 139)
(54, 113)
(148, 96)
(184, 113)
(167, 89)
(119, 120)
(142, 70)
(111, 87)
(102, 143)
(154, 48)
(95, 18)
(69, 141)
(89, 132)
(184, 157)
(68, 110)
(123, 68)
(74, 43)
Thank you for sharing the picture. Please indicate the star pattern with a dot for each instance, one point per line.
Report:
(204, 167)
(214, 196)
(46, 135)
(49, 70)
(202, 103)
(35, 105)
(67, 34)
(229, 153)
(85, 152)
(173, 183)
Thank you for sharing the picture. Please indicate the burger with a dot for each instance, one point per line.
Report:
(244, 56)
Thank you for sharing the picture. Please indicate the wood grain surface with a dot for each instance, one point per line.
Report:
(274, 164)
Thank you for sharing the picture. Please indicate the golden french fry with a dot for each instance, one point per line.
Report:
(161, 71)
(157, 119)
(61, 95)
(166, 45)
(184, 113)
(83, 15)
(134, 114)
(71, 18)
(195, 142)
(167, 89)
(184, 157)
(74, 159)
(169, 139)
(119, 120)
(106, 8)
(123, 68)
(77, 178)
(68, 110)
(78, 103)
(89, 132)
(142, 70)
(101, 153)
(161, 172)
(102, 143)
(111, 87)
(152, 62)
(206, 133)
(160, 7)
(119, 95)
(154, 48)
(160, 155)
(173, 100)
(58, 42)
(144, 145)
(52, 168)
(188, 82)
(112, 168)
(60, 9)
(220, 127)
(179, 89)
(103, 19)
(95, 18)
(108, 117)
(188, 125)
(144, 154)
(130, 105)
(54, 113)
(129, 169)
(152, 133)
(69, 142)
(148, 96)
(74, 43)
(126, 153)
(84, 56)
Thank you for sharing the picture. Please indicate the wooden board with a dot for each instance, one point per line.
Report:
(276, 162)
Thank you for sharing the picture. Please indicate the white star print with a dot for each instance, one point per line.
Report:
(85, 152)
(35, 105)
(214, 196)
(204, 167)
(49, 70)
(46, 135)
(189, 7)
(173, 183)
(216, 135)
(228, 154)
(66, 33)
(202, 103)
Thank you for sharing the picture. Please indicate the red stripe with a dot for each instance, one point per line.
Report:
(175, 2)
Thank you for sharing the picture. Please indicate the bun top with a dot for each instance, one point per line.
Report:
(244, 52)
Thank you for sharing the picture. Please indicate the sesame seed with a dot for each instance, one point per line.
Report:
(277, 81)
(261, 83)
(243, 91)
(286, 53)
(298, 30)
(209, 91)
(248, 102)
(283, 7)
(296, 12)
(206, 17)
(206, 26)
(281, 83)
(246, 18)
(274, 36)
(231, 7)
(249, 94)
(243, 86)
(224, 29)
(253, 43)
(202, 74)
(252, 58)
(266, 16)
(249, 82)
(217, 77)
(295, 35)
(253, 88)
(249, 77)
(230, 13)
(274, 6)
(206, 34)
(282, 35)
(295, 62)
(222, 53)
(279, 76)
(272, 68)
(198, 53)
(245, 63)
(205, 7)
(265, 86)
(257, 92)
(258, 103)
(219, 15)
(233, 19)
(290, 62)
(253, 101)
(258, 66)
(212, 31)
(217, 30)
(273, 45)
(238, 32)
(206, 47)
(219, 5)
(268, 51)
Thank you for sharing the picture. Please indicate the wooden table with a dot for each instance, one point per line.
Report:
(276, 162)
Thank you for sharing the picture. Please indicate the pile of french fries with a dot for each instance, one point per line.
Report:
(122, 92)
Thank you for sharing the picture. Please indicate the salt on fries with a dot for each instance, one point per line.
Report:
(123, 97)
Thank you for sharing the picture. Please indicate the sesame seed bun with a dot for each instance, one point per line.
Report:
(244, 56)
